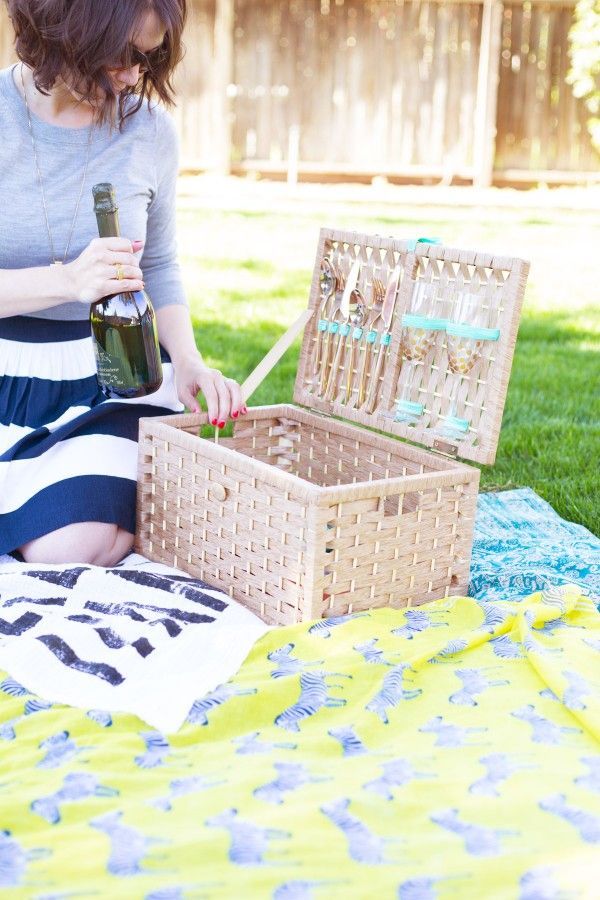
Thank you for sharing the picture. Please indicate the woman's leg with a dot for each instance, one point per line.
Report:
(95, 543)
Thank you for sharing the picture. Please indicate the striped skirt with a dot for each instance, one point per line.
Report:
(66, 453)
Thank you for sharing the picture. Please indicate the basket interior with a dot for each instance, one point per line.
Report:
(324, 453)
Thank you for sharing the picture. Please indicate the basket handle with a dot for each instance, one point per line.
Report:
(274, 355)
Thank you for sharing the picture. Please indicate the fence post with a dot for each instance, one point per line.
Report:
(293, 155)
(490, 48)
(222, 78)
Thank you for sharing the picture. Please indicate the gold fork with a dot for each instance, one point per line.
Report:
(387, 314)
(357, 316)
(348, 310)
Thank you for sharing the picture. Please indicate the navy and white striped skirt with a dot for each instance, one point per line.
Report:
(66, 453)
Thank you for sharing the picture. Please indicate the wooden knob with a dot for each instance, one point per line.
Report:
(216, 491)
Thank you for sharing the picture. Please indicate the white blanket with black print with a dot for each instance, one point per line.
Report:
(139, 638)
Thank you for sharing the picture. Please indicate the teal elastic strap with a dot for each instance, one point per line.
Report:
(371, 337)
(322, 324)
(408, 408)
(456, 424)
(385, 339)
(344, 329)
(332, 327)
(412, 243)
(460, 329)
(357, 333)
(424, 322)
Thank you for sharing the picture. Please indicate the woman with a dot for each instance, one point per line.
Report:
(75, 111)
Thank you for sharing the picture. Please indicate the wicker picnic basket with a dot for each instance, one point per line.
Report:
(301, 515)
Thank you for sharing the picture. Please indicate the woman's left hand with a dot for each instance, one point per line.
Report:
(223, 395)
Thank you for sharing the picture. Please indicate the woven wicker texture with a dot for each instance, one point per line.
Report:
(300, 517)
(498, 285)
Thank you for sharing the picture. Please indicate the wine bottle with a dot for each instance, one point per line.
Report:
(123, 324)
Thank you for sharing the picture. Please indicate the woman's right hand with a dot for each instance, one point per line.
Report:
(93, 274)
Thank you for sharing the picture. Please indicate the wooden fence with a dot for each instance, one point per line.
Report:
(469, 90)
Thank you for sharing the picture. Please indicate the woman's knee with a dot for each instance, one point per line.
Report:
(122, 545)
(91, 543)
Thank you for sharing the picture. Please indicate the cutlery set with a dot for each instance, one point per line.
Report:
(353, 335)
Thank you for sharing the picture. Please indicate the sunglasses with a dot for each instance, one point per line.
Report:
(148, 62)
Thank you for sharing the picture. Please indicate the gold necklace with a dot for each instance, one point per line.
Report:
(55, 261)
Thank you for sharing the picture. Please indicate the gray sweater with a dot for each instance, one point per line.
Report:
(141, 162)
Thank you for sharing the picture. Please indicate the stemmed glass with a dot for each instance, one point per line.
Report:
(418, 336)
(466, 332)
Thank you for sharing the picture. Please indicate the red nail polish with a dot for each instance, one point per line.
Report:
(245, 410)
(221, 424)
(213, 421)
(235, 414)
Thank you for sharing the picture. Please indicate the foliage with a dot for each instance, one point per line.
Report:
(584, 38)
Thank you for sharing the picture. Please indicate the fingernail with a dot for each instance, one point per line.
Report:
(244, 410)
(221, 424)
(137, 244)
(235, 414)
(213, 421)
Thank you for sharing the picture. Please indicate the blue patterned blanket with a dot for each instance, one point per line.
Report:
(522, 545)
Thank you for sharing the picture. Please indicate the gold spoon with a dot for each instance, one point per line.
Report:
(328, 285)
(332, 327)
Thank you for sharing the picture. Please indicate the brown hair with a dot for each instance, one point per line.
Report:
(84, 38)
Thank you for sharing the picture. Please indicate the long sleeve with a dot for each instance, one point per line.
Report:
(159, 263)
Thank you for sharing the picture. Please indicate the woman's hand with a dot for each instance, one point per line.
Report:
(223, 395)
(93, 274)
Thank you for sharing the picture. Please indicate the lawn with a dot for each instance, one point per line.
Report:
(247, 254)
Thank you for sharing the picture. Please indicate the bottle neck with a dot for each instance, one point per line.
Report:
(108, 223)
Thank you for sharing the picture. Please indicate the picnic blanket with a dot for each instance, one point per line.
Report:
(522, 545)
(450, 751)
(138, 638)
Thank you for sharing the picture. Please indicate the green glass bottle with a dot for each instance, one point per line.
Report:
(123, 325)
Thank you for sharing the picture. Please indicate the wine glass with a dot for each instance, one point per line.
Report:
(466, 332)
(417, 338)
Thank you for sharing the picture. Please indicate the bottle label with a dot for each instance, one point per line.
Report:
(110, 369)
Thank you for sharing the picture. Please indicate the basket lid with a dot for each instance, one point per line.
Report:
(412, 338)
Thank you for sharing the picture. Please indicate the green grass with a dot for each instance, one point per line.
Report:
(248, 274)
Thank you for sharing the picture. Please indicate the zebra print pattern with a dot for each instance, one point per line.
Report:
(314, 696)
